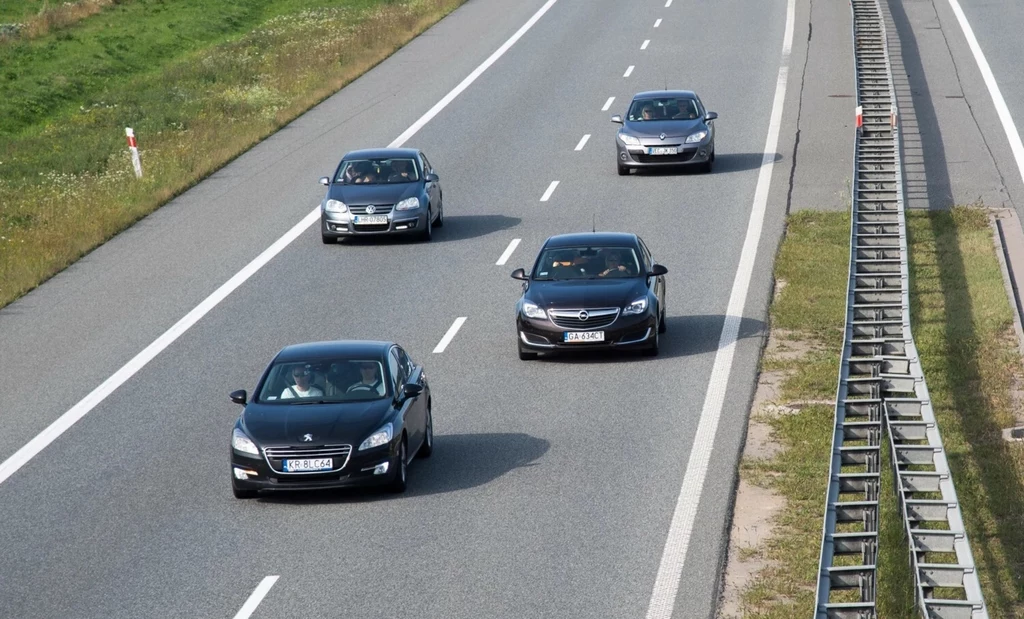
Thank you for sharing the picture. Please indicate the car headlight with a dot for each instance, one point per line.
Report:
(636, 307)
(697, 137)
(408, 204)
(336, 206)
(629, 140)
(532, 311)
(241, 442)
(378, 438)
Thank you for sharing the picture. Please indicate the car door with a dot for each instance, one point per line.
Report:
(433, 188)
(416, 376)
(658, 283)
(410, 410)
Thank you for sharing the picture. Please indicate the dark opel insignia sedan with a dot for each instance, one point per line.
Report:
(382, 191)
(329, 415)
(665, 128)
(589, 291)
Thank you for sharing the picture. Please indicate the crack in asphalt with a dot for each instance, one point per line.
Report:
(799, 108)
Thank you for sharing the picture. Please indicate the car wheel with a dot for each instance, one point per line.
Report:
(652, 350)
(398, 484)
(662, 327)
(440, 215)
(623, 170)
(328, 240)
(526, 356)
(241, 493)
(427, 447)
(709, 163)
(428, 233)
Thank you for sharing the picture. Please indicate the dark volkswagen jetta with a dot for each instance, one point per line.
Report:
(382, 191)
(329, 415)
(665, 128)
(589, 291)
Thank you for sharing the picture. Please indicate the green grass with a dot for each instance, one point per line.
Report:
(962, 325)
(199, 81)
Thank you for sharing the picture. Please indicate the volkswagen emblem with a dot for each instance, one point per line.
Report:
(662, 136)
(307, 438)
(370, 210)
(584, 315)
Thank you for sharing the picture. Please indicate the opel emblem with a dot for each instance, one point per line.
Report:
(584, 315)
(307, 438)
(370, 210)
(662, 136)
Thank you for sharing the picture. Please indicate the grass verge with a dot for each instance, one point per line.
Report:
(963, 328)
(199, 81)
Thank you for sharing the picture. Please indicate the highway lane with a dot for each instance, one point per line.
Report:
(519, 512)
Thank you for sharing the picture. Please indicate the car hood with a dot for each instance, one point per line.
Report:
(359, 195)
(671, 128)
(279, 424)
(578, 294)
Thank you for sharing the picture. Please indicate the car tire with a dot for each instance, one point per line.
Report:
(328, 240)
(623, 170)
(428, 233)
(399, 483)
(662, 327)
(526, 356)
(440, 215)
(652, 350)
(241, 493)
(709, 164)
(427, 447)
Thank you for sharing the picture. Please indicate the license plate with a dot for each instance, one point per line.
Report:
(370, 219)
(584, 336)
(662, 150)
(311, 464)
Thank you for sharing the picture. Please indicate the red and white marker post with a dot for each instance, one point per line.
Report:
(860, 117)
(134, 149)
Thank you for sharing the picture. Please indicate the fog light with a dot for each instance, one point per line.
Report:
(243, 474)
(702, 153)
(622, 156)
(381, 469)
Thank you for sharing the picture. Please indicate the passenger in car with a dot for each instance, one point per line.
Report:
(303, 387)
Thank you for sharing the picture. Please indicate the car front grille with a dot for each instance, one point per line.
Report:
(378, 209)
(680, 158)
(340, 454)
(596, 318)
(372, 227)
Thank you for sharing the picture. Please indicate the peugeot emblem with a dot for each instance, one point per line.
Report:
(662, 136)
(307, 438)
(370, 210)
(584, 315)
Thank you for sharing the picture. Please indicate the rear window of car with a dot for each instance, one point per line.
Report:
(324, 380)
(378, 171)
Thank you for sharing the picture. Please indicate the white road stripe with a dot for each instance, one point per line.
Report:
(550, 190)
(668, 3)
(12, 464)
(657, 22)
(670, 570)
(508, 252)
(583, 142)
(993, 88)
(447, 339)
(257, 596)
(628, 71)
(608, 104)
(645, 44)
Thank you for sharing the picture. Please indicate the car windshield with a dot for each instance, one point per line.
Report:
(561, 263)
(663, 108)
(377, 171)
(324, 380)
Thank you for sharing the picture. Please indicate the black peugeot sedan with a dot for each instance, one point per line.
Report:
(382, 191)
(588, 291)
(665, 128)
(330, 415)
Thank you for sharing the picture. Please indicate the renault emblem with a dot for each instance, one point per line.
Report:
(584, 315)
(370, 210)
(307, 438)
(662, 136)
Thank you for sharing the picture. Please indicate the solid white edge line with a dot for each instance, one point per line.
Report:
(645, 44)
(608, 104)
(450, 335)
(508, 252)
(97, 395)
(657, 22)
(550, 190)
(583, 142)
(257, 596)
(666, 585)
(628, 71)
(993, 88)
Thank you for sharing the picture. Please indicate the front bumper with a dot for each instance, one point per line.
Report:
(339, 225)
(626, 332)
(637, 157)
(358, 471)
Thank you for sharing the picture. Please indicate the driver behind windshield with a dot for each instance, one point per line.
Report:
(615, 266)
(401, 171)
(369, 379)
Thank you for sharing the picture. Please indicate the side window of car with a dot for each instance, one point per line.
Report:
(405, 363)
(648, 260)
(396, 371)
(425, 163)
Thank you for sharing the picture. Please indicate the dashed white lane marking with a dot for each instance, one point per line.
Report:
(673, 558)
(583, 142)
(257, 596)
(657, 22)
(21, 457)
(450, 335)
(645, 44)
(608, 104)
(628, 71)
(550, 190)
(668, 3)
(508, 252)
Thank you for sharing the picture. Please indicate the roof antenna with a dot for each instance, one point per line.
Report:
(593, 224)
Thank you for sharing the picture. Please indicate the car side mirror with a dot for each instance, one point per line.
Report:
(238, 397)
(411, 390)
(617, 119)
(657, 270)
(711, 116)
(519, 274)
(325, 181)
(431, 178)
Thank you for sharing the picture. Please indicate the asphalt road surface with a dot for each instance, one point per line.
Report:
(554, 483)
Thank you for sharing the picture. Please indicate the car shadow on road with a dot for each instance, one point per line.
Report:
(459, 462)
(724, 163)
(456, 228)
(685, 336)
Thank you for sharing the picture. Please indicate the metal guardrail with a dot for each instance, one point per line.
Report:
(882, 389)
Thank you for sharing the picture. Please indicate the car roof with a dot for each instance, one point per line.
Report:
(664, 93)
(339, 348)
(591, 238)
(380, 153)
